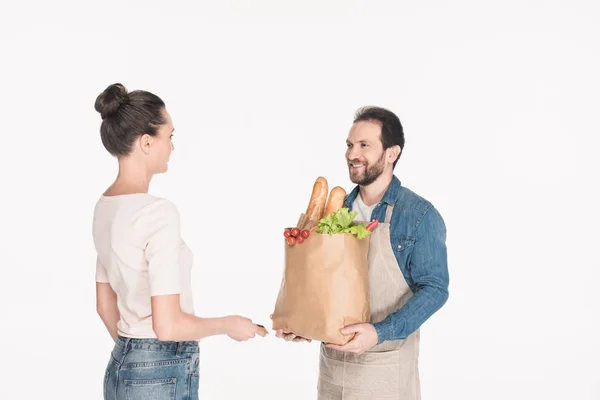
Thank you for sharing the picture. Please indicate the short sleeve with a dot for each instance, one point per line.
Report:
(101, 274)
(163, 246)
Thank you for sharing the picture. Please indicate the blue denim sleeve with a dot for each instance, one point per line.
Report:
(428, 268)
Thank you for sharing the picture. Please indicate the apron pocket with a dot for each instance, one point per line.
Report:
(369, 374)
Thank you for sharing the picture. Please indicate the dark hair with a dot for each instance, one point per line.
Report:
(126, 116)
(392, 133)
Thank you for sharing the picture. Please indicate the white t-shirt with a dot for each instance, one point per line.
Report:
(364, 211)
(141, 254)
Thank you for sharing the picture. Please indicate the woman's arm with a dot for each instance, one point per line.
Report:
(106, 305)
(170, 323)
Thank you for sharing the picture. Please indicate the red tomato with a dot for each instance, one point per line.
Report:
(295, 232)
(372, 225)
(304, 233)
(291, 241)
(286, 233)
(300, 239)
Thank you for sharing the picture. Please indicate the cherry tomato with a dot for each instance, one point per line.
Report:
(300, 239)
(286, 233)
(304, 233)
(295, 232)
(291, 241)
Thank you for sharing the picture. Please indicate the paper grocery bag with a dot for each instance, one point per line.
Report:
(324, 288)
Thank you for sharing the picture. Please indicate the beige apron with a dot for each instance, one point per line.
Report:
(389, 370)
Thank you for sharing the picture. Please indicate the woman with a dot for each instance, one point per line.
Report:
(143, 290)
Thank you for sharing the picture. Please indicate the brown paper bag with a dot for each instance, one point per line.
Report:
(324, 288)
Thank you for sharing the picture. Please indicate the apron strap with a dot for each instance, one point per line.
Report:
(388, 213)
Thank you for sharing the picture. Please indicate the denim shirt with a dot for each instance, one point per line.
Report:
(418, 239)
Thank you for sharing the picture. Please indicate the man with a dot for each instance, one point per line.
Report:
(408, 271)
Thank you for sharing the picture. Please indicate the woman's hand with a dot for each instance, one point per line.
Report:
(241, 328)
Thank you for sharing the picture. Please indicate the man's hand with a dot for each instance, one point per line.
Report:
(364, 339)
(289, 336)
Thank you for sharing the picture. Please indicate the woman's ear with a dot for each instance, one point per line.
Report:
(145, 142)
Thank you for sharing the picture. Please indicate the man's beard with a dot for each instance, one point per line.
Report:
(370, 172)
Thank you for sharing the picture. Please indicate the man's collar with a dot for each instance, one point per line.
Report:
(390, 196)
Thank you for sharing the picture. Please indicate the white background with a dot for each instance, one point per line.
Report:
(499, 101)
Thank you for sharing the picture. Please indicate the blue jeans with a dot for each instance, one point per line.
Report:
(148, 369)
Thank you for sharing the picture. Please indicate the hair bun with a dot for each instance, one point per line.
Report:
(109, 101)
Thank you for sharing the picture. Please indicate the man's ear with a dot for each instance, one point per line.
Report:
(393, 153)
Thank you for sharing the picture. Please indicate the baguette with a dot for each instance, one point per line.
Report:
(335, 200)
(318, 199)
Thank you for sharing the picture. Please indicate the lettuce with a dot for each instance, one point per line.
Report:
(341, 221)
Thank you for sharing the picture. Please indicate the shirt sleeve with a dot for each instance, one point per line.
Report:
(429, 272)
(163, 246)
(101, 274)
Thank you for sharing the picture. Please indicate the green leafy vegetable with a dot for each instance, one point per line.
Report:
(341, 221)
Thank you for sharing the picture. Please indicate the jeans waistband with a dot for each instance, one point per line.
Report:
(125, 343)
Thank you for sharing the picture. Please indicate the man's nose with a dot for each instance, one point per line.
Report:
(353, 153)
